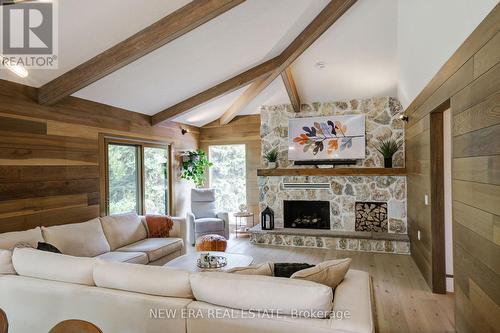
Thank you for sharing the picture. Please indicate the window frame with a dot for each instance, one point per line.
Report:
(104, 141)
(245, 146)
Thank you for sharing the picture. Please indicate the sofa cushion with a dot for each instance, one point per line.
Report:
(260, 269)
(208, 224)
(6, 262)
(261, 293)
(130, 257)
(9, 239)
(78, 239)
(53, 266)
(155, 248)
(151, 280)
(329, 273)
(123, 229)
(203, 203)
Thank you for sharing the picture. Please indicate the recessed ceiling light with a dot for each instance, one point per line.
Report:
(19, 70)
(320, 64)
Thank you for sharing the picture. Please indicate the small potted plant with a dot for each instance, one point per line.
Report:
(194, 167)
(388, 148)
(272, 157)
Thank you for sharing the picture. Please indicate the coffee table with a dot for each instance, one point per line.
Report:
(187, 262)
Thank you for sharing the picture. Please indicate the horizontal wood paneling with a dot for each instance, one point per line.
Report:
(473, 143)
(485, 224)
(484, 86)
(482, 115)
(22, 126)
(11, 208)
(63, 215)
(17, 174)
(481, 169)
(482, 196)
(49, 156)
(470, 79)
(488, 56)
(485, 251)
(469, 268)
(23, 140)
(9, 191)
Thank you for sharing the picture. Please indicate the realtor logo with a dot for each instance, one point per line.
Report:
(29, 33)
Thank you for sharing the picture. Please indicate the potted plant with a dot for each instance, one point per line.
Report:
(194, 166)
(271, 157)
(388, 148)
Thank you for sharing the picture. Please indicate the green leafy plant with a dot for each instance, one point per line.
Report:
(272, 155)
(194, 167)
(388, 147)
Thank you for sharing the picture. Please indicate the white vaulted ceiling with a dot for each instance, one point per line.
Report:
(360, 53)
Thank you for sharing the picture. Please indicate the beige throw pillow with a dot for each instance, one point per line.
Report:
(260, 269)
(329, 273)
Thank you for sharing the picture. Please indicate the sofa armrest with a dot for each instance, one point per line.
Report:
(190, 228)
(224, 216)
(354, 294)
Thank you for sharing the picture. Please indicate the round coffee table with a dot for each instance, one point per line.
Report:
(187, 262)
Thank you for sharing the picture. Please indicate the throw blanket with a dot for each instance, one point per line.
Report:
(159, 226)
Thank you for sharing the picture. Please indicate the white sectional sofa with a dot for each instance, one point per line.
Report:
(131, 298)
(119, 238)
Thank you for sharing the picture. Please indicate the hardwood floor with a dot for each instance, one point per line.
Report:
(404, 302)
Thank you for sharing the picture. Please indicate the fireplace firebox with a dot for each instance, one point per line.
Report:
(306, 214)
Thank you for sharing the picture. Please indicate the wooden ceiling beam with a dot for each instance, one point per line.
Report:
(291, 88)
(147, 40)
(328, 16)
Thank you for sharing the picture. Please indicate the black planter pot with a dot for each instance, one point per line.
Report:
(387, 162)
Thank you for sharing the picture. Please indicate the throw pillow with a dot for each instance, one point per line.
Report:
(159, 226)
(287, 269)
(6, 266)
(329, 273)
(47, 248)
(261, 269)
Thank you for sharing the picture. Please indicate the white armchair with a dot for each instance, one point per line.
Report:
(204, 218)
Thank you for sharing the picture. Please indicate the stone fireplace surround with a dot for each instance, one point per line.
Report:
(342, 195)
(344, 191)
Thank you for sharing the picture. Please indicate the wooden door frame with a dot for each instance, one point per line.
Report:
(437, 198)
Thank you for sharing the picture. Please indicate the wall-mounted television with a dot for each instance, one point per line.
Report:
(326, 138)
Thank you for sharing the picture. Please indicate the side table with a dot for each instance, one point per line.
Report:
(240, 227)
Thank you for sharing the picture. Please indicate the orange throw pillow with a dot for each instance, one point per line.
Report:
(159, 226)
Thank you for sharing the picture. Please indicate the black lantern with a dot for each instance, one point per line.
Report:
(267, 219)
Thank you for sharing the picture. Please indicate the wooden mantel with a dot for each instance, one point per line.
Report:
(333, 172)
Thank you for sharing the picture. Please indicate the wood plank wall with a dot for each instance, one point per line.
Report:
(243, 129)
(470, 80)
(49, 161)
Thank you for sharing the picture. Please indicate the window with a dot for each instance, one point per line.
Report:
(137, 177)
(228, 175)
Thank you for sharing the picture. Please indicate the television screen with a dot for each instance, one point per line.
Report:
(326, 138)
